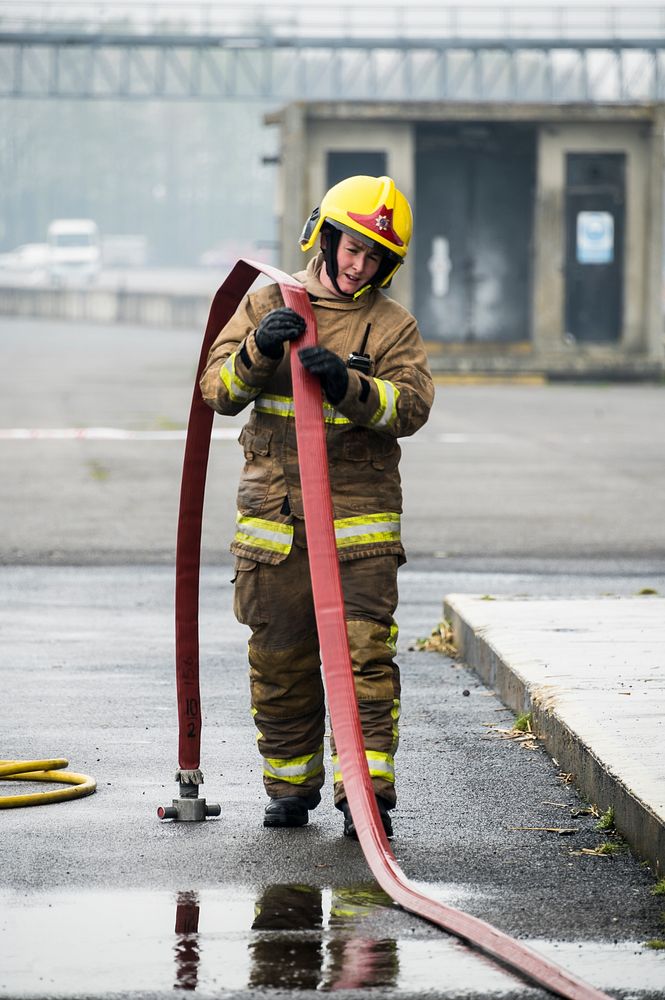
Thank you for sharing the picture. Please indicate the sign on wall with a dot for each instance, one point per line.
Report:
(595, 238)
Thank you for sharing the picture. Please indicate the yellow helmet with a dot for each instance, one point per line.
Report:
(371, 209)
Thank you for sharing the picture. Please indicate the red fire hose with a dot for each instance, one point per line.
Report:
(333, 640)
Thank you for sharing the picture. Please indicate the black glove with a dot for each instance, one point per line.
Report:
(331, 370)
(278, 326)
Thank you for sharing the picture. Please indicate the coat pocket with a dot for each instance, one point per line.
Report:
(248, 603)
(255, 442)
(363, 445)
(256, 476)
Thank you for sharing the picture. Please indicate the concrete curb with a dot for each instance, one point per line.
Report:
(637, 820)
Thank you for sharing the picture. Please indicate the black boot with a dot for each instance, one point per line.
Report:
(349, 825)
(290, 810)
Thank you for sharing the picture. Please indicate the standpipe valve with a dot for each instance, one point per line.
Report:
(189, 807)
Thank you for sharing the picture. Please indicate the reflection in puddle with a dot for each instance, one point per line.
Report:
(284, 961)
(290, 937)
(358, 963)
(319, 962)
(187, 956)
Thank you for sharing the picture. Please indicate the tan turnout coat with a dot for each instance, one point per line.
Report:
(393, 401)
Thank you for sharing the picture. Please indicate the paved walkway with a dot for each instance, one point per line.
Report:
(592, 672)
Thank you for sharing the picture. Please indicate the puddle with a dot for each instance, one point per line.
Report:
(289, 937)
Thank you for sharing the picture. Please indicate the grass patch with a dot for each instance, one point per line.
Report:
(609, 847)
(659, 888)
(606, 821)
(523, 723)
(656, 943)
(98, 471)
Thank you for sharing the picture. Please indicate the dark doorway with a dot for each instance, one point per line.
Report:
(595, 199)
(340, 165)
(474, 231)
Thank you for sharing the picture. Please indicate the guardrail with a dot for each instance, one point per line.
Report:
(138, 308)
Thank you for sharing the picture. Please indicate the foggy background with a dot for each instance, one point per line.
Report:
(187, 175)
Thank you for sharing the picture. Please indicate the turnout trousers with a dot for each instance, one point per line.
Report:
(286, 686)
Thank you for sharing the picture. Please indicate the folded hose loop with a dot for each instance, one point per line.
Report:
(43, 770)
(333, 641)
(190, 519)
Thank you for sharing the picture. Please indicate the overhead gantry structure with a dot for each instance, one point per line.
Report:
(205, 51)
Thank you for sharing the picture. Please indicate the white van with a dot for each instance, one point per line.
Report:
(74, 251)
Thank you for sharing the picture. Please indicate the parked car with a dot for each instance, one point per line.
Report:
(29, 259)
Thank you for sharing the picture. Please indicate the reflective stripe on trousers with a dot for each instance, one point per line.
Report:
(294, 770)
(380, 765)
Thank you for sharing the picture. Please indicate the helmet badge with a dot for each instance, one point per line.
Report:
(381, 222)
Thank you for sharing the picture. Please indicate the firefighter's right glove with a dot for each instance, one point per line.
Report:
(277, 327)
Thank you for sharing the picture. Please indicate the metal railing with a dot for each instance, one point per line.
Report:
(212, 51)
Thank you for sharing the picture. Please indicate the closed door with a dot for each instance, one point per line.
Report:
(347, 163)
(595, 196)
(473, 231)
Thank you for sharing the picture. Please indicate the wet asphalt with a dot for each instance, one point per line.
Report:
(88, 662)
(98, 898)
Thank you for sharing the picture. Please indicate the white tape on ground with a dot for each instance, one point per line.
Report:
(105, 434)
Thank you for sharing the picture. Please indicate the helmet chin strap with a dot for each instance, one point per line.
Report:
(329, 245)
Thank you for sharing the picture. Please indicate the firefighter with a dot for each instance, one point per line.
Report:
(376, 387)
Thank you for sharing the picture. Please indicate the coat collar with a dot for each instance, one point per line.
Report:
(310, 278)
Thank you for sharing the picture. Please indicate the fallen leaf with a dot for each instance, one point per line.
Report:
(585, 811)
(440, 640)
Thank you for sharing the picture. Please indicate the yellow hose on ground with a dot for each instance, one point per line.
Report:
(43, 770)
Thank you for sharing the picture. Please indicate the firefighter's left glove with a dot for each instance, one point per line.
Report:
(278, 326)
(331, 370)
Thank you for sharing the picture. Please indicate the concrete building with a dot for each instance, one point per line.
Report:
(538, 241)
